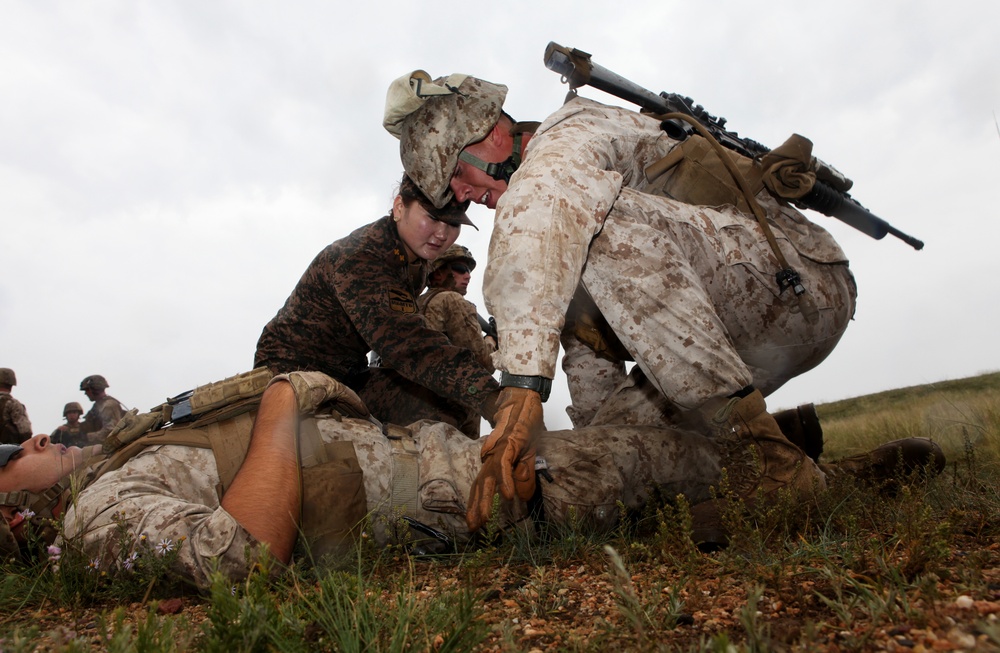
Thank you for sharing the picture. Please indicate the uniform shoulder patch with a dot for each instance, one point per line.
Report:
(401, 301)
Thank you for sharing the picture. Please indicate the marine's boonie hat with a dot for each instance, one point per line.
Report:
(435, 120)
(454, 253)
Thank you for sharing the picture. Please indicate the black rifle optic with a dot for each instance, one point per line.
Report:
(577, 69)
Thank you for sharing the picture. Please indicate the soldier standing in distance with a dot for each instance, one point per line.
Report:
(15, 427)
(104, 414)
(71, 433)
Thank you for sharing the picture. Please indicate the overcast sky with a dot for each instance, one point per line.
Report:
(169, 169)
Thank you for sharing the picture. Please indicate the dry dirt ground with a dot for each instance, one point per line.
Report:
(578, 606)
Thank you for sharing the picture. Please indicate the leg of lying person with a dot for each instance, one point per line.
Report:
(590, 471)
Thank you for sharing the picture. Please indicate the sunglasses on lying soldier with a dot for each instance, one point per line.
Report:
(460, 268)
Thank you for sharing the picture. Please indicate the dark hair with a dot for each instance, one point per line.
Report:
(450, 212)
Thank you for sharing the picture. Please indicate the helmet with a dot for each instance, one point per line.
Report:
(454, 253)
(7, 376)
(73, 406)
(435, 121)
(94, 382)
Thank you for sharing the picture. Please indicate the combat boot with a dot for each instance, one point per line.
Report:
(888, 466)
(802, 428)
(759, 462)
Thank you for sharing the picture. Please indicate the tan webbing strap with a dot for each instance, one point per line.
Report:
(230, 440)
(405, 477)
(312, 449)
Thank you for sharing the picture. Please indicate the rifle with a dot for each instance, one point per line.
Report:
(577, 70)
(489, 326)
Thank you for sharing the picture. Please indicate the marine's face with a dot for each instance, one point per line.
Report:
(72, 417)
(423, 235)
(470, 183)
(461, 273)
(40, 466)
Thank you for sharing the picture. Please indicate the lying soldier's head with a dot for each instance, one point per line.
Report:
(31, 475)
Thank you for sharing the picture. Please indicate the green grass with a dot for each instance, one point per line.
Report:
(851, 573)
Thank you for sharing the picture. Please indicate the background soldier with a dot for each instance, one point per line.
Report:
(445, 308)
(71, 433)
(104, 414)
(15, 427)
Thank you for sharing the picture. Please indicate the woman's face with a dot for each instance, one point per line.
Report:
(423, 236)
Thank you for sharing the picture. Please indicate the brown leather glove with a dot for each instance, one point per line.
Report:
(508, 454)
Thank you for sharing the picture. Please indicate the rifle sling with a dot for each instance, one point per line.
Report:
(808, 307)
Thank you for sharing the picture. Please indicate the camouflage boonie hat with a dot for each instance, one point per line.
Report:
(73, 406)
(454, 253)
(7, 376)
(94, 382)
(436, 120)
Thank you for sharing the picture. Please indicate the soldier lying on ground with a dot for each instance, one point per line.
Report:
(312, 462)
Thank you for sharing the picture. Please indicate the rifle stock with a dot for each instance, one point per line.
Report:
(577, 69)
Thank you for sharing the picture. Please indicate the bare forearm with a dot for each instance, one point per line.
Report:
(265, 495)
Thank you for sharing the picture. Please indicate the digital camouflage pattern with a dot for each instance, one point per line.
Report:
(101, 418)
(689, 290)
(452, 314)
(15, 427)
(358, 295)
(169, 492)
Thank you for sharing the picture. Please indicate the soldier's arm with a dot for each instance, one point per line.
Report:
(407, 344)
(541, 236)
(458, 318)
(265, 497)
(19, 417)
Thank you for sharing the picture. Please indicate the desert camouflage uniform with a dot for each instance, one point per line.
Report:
(452, 314)
(689, 290)
(358, 295)
(169, 492)
(101, 418)
(15, 427)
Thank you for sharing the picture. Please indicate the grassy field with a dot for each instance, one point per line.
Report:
(918, 570)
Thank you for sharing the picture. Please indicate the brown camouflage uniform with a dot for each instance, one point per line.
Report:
(689, 290)
(169, 492)
(358, 295)
(101, 418)
(15, 427)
